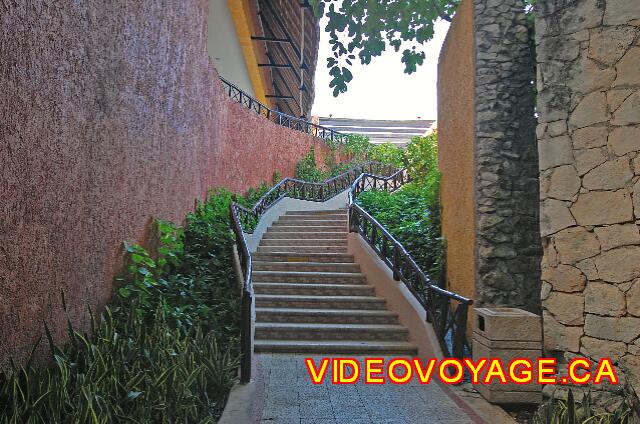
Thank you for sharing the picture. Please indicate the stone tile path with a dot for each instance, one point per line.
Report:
(287, 396)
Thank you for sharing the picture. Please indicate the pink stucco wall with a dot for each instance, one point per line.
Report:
(110, 114)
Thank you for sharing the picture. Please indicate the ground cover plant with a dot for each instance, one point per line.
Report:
(166, 349)
(557, 411)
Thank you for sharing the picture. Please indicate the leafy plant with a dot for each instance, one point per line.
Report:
(356, 147)
(165, 351)
(363, 29)
(308, 170)
(421, 157)
(130, 369)
(412, 214)
(569, 412)
(387, 153)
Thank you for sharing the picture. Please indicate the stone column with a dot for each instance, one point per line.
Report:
(506, 175)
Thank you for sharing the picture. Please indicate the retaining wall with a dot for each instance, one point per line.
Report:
(110, 115)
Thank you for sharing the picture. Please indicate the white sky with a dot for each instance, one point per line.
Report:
(381, 90)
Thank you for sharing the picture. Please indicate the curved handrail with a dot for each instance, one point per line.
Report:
(297, 124)
(437, 302)
(305, 190)
(243, 219)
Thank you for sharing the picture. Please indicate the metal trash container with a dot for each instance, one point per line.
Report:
(507, 333)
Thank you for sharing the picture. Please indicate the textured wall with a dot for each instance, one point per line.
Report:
(488, 156)
(455, 150)
(506, 177)
(110, 114)
(588, 56)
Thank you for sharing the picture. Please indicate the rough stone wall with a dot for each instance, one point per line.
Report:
(456, 150)
(506, 175)
(110, 115)
(588, 54)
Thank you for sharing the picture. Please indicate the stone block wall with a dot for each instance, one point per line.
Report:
(110, 115)
(588, 54)
(506, 176)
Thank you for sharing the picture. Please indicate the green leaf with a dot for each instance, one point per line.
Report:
(132, 395)
(124, 292)
(136, 258)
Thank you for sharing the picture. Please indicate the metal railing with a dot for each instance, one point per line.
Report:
(280, 118)
(445, 310)
(244, 221)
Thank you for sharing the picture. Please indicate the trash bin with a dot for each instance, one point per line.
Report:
(507, 333)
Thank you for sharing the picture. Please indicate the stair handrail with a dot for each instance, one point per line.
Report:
(243, 220)
(306, 190)
(447, 321)
(280, 118)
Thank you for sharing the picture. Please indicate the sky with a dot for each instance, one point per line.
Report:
(381, 90)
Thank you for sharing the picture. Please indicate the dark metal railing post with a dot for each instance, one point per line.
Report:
(396, 262)
(246, 336)
(352, 220)
(460, 329)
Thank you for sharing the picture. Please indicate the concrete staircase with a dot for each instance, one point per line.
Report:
(311, 296)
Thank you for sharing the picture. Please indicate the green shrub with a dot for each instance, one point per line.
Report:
(359, 150)
(307, 169)
(569, 412)
(413, 218)
(357, 146)
(166, 350)
(421, 158)
(386, 153)
(412, 214)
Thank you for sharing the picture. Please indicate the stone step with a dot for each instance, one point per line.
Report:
(324, 217)
(346, 316)
(296, 250)
(308, 331)
(307, 257)
(304, 242)
(302, 277)
(307, 229)
(336, 347)
(295, 235)
(285, 221)
(314, 289)
(342, 211)
(319, 302)
(305, 266)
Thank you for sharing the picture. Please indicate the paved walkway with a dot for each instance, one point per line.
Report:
(287, 396)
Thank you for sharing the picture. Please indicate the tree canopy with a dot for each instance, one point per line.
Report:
(362, 30)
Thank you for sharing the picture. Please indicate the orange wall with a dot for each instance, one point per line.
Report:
(455, 147)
